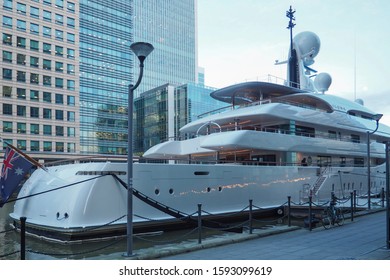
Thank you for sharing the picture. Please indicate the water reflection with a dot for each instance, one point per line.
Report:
(37, 249)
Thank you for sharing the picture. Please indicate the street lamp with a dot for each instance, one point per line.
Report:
(376, 117)
(141, 50)
(387, 194)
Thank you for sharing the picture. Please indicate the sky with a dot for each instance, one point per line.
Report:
(239, 41)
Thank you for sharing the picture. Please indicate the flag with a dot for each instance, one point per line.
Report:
(15, 168)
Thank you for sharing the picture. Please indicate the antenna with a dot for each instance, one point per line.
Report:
(292, 61)
(354, 68)
(290, 14)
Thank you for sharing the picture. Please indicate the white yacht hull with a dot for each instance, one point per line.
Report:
(97, 207)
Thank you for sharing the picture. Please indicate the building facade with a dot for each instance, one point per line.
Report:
(39, 109)
(66, 66)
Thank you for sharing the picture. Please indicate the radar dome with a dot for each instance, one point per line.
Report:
(308, 45)
(322, 82)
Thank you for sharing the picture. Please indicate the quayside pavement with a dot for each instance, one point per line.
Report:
(364, 238)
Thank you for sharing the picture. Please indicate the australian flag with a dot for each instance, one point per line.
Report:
(15, 168)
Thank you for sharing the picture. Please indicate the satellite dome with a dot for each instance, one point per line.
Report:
(308, 45)
(322, 82)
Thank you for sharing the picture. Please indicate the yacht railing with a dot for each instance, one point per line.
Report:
(88, 159)
(260, 102)
(320, 135)
(215, 111)
(269, 79)
(326, 165)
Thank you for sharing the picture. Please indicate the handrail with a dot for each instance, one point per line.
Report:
(349, 163)
(322, 135)
(208, 123)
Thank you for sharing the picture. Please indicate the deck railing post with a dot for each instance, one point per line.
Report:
(199, 223)
(250, 216)
(23, 238)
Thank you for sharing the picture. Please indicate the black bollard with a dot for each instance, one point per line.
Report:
(310, 218)
(23, 238)
(289, 210)
(383, 197)
(354, 201)
(199, 223)
(250, 216)
(351, 206)
(333, 197)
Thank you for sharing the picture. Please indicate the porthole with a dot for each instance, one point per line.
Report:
(202, 173)
(219, 189)
(156, 191)
(208, 189)
(171, 191)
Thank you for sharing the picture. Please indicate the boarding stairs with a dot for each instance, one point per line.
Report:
(313, 190)
(317, 185)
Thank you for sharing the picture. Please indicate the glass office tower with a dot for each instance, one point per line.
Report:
(107, 28)
(105, 72)
(170, 25)
(162, 111)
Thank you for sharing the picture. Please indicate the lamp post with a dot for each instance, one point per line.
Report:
(387, 195)
(376, 117)
(141, 50)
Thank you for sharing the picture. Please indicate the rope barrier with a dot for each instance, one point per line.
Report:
(225, 215)
(321, 205)
(100, 226)
(227, 228)
(299, 204)
(342, 201)
(357, 204)
(271, 208)
(5, 231)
